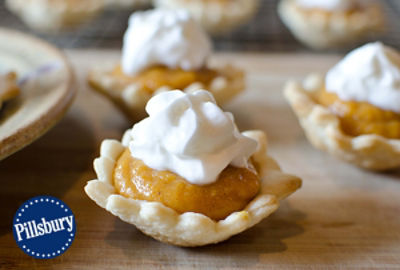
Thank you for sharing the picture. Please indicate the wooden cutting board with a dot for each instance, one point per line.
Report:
(342, 217)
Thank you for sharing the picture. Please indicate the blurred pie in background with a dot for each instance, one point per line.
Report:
(127, 3)
(215, 15)
(324, 24)
(8, 87)
(354, 112)
(54, 15)
(163, 50)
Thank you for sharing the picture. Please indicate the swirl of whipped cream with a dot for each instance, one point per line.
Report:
(371, 74)
(330, 5)
(188, 134)
(164, 37)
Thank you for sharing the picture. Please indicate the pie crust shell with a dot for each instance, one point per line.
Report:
(215, 16)
(322, 128)
(131, 98)
(189, 229)
(324, 30)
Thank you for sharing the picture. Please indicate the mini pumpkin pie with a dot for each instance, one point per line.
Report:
(163, 50)
(186, 176)
(8, 87)
(323, 24)
(53, 15)
(215, 15)
(354, 113)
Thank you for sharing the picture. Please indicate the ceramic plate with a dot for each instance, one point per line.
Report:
(47, 91)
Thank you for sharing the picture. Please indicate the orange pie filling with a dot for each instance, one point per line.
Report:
(155, 77)
(8, 86)
(359, 118)
(233, 190)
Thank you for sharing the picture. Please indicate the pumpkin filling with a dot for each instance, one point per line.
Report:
(360, 118)
(155, 77)
(233, 190)
(8, 87)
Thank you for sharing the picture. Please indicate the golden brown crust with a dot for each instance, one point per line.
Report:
(322, 30)
(322, 128)
(189, 229)
(131, 98)
(216, 16)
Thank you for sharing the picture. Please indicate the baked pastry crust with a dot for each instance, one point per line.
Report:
(8, 87)
(215, 15)
(322, 128)
(53, 15)
(131, 98)
(189, 229)
(322, 30)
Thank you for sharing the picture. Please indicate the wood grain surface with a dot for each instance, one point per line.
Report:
(342, 218)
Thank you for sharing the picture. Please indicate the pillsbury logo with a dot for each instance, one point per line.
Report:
(44, 227)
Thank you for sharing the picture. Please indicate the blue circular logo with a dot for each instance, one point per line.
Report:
(44, 227)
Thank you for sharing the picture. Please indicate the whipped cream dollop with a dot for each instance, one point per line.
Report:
(188, 134)
(164, 37)
(371, 74)
(330, 5)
